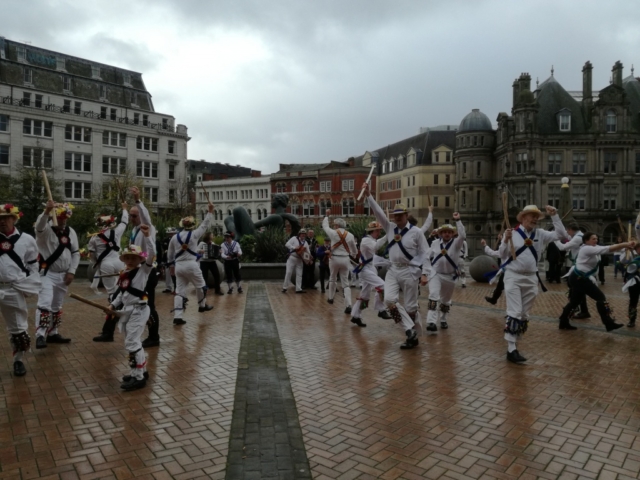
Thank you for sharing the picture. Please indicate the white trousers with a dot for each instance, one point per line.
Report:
(441, 288)
(463, 272)
(341, 266)
(51, 297)
(520, 292)
(294, 264)
(371, 282)
(109, 266)
(168, 281)
(13, 307)
(186, 273)
(132, 324)
(407, 280)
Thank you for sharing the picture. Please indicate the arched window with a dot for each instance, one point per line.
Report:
(384, 167)
(215, 215)
(612, 121)
(264, 212)
(312, 209)
(229, 212)
(249, 212)
(259, 214)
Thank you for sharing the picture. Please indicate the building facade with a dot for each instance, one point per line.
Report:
(86, 123)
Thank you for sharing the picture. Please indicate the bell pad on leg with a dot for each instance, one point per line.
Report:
(45, 319)
(56, 319)
(395, 313)
(432, 305)
(444, 308)
(516, 326)
(21, 342)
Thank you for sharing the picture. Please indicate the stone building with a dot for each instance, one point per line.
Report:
(86, 122)
(591, 137)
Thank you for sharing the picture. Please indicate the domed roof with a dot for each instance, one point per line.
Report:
(475, 121)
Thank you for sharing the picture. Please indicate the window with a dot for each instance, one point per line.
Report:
(4, 124)
(554, 196)
(77, 134)
(294, 187)
(305, 208)
(435, 179)
(145, 120)
(307, 187)
(384, 167)
(114, 139)
(126, 78)
(4, 154)
(28, 76)
(610, 196)
(147, 169)
(347, 185)
(482, 141)
(637, 153)
(114, 165)
(165, 123)
(435, 201)
(348, 207)
(136, 118)
(579, 197)
(447, 179)
(280, 187)
(66, 84)
(103, 112)
(555, 163)
(475, 140)
(464, 198)
(147, 143)
(521, 196)
(26, 99)
(478, 169)
(77, 162)
(446, 201)
(37, 128)
(77, 189)
(172, 147)
(172, 171)
(636, 203)
(325, 186)
(521, 162)
(564, 122)
(77, 108)
(478, 200)
(464, 168)
(21, 52)
(103, 92)
(172, 197)
(38, 103)
(611, 121)
(448, 157)
(95, 71)
(151, 194)
(66, 108)
(610, 162)
(391, 165)
(579, 163)
(60, 64)
(113, 114)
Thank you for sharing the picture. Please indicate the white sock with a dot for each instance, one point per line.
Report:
(511, 346)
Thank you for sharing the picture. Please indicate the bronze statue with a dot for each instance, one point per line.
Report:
(241, 224)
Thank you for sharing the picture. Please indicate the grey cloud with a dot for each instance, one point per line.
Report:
(134, 56)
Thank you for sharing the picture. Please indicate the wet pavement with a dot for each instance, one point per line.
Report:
(451, 408)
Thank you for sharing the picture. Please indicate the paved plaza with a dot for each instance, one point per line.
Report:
(272, 385)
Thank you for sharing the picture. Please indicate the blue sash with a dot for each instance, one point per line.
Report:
(398, 242)
(444, 252)
(182, 245)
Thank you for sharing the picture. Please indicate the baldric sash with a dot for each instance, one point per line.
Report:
(64, 241)
(185, 245)
(397, 240)
(444, 253)
(342, 241)
(7, 247)
(125, 284)
(230, 249)
(110, 244)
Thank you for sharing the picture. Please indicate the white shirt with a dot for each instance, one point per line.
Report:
(454, 251)
(136, 236)
(48, 242)
(27, 250)
(339, 250)
(426, 228)
(572, 246)
(98, 245)
(414, 241)
(491, 252)
(227, 249)
(293, 244)
(140, 280)
(175, 247)
(526, 262)
(588, 257)
(368, 249)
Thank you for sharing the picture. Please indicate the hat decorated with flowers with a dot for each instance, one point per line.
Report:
(171, 231)
(229, 234)
(530, 209)
(133, 250)
(447, 226)
(302, 231)
(9, 209)
(188, 223)
(64, 210)
(106, 221)
(373, 226)
(399, 208)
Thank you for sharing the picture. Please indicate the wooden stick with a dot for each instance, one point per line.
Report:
(429, 197)
(122, 195)
(565, 215)
(54, 219)
(206, 194)
(368, 178)
(622, 232)
(96, 305)
(505, 203)
(107, 276)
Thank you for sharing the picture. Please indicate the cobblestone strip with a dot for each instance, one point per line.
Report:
(266, 439)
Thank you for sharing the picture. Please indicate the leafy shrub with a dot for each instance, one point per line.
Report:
(248, 246)
(269, 246)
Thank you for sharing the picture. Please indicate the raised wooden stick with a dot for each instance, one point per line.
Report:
(106, 310)
(206, 194)
(565, 215)
(622, 232)
(122, 195)
(428, 197)
(505, 208)
(373, 165)
(54, 219)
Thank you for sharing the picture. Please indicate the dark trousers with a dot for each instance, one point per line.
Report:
(153, 322)
(601, 273)
(579, 288)
(555, 271)
(634, 295)
(497, 292)
(308, 275)
(232, 270)
(211, 266)
(324, 273)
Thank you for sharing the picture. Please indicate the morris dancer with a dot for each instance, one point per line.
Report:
(169, 280)
(343, 245)
(131, 301)
(369, 275)
(59, 259)
(408, 252)
(298, 249)
(104, 247)
(497, 292)
(521, 276)
(445, 252)
(462, 266)
(183, 259)
(573, 247)
(583, 282)
(18, 279)
(323, 254)
(231, 252)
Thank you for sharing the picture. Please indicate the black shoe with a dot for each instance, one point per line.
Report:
(301, 291)
(565, 325)
(103, 338)
(284, 290)
(18, 369)
(464, 286)
(412, 340)
(384, 314)
(631, 324)
(219, 292)
(432, 327)
(126, 378)
(444, 325)
(330, 301)
(611, 325)
(515, 357)
(581, 316)
(40, 342)
(491, 300)
(178, 321)
(230, 291)
(322, 291)
(57, 338)
(358, 321)
(167, 290)
(347, 310)
(240, 290)
(206, 308)
(150, 342)
(133, 384)
(312, 288)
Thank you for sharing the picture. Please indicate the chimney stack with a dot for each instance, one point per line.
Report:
(617, 73)
(587, 87)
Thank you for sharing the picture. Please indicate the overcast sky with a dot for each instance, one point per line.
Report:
(263, 82)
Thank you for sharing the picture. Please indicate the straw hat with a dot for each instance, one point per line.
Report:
(64, 210)
(188, 223)
(447, 226)
(9, 209)
(373, 226)
(530, 209)
(399, 208)
(133, 250)
(106, 221)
